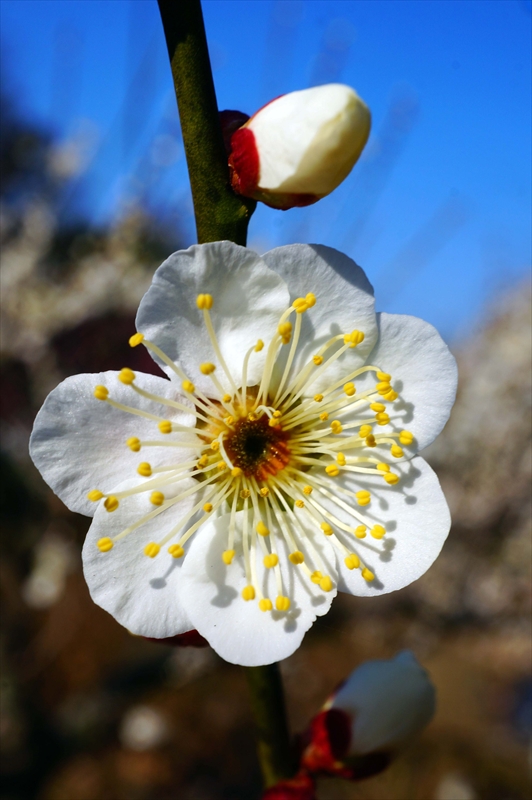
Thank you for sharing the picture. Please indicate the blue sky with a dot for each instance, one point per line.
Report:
(438, 209)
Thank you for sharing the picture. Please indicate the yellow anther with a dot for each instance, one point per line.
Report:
(204, 301)
(245, 493)
(104, 544)
(101, 392)
(277, 414)
(136, 339)
(390, 396)
(300, 305)
(364, 431)
(165, 426)
(349, 389)
(307, 489)
(207, 508)
(336, 426)
(396, 451)
(94, 495)
(270, 560)
(300, 504)
(363, 498)
(310, 299)
(126, 376)
(157, 498)
(188, 386)
(316, 576)
(274, 423)
(332, 470)
(371, 441)
(285, 331)
(383, 467)
(111, 503)
(229, 420)
(226, 398)
(265, 604)
(152, 549)
(324, 416)
(352, 561)
(251, 417)
(227, 556)
(248, 593)
(317, 360)
(406, 438)
(378, 531)
(203, 461)
(176, 551)
(382, 418)
(296, 557)
(383, 386)
(221, 465)
(215, 446)
(368, 575)
(133, 443)
(207, 368)
(259, 345)
(354, 338)
(391, 478)
(326, 528)
(318, 398)
(264, 492)
(378, 407)
(326, 584)
(144, 469)
(262, 530)
(383, 376)
(236, 472)
(340, 460)
(282, 603)
(360, 531)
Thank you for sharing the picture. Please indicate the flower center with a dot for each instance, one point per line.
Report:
(257, 448)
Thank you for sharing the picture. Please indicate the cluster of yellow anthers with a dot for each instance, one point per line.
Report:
(269, 451)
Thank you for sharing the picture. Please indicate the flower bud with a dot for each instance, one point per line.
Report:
(369, 717)
(301, 787)
(299, 147)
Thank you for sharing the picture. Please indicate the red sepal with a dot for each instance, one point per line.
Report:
(330, 736)
(230, 121)
(244, 162)
(302, 787)
(188, 639)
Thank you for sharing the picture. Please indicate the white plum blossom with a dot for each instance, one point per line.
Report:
(299, 147)
(275, 466)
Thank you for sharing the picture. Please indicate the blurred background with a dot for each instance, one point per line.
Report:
(94, 196)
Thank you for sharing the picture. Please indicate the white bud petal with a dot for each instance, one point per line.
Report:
(308, 141)
(389, 702)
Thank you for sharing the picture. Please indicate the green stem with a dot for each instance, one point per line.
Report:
(219, 212)
(273, 746)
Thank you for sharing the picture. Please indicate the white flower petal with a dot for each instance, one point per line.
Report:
(79, 443)
(423, 371)
(248, 298)
(308, 141)
(389, 702)
(344, 302)
(417, 520)
(240, 633)
(140, 592)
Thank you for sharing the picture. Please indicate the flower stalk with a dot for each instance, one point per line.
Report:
(220, 214)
